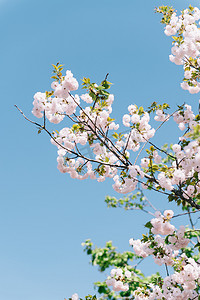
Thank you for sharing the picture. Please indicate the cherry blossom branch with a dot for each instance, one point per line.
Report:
(89, 159)
(95, 132)
(69, 150)
(102, 133)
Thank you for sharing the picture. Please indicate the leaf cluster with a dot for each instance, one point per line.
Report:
(132, 201)
(98, 93)
(107, 256)
(155, 106)
(89, 297)
(167, 12)
(57, 72)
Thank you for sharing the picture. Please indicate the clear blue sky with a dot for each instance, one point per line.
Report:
(45, 215)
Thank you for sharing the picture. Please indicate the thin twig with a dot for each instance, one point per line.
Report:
(44, 120)
(127, 141)
(183, 214)
(137, 208)
(151, 204)
(141, 260)
(159, 149)
(184, 134)
(106, 76)
(68, 150)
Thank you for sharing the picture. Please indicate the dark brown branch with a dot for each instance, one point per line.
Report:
(106, 76)
(127, 141)
(43, 128)
(190, 64)
(44, 120)
(179, 193)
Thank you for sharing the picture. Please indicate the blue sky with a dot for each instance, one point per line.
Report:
(45, 215)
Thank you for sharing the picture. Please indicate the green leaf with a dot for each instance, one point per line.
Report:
(115, 135)
(197, 245)
(148, 225)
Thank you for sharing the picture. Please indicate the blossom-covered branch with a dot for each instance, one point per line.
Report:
(171, 170)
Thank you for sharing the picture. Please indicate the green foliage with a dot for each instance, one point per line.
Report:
(195, 133)
(40, 130)
(89, 297)
(107, 256)
(105, 291)
(140, 111)
(191, 234)
(166, 11)
(77, 128)
(49, 94)
(98, 93)
(155, 106)
(157, 279)
(57, 72)
(131, 201)
(118, 136)
(148, 225)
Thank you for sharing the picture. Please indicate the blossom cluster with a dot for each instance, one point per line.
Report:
(183, 282)
(161, 116)
(56, 107)
(186, 158)
(163, 253)
(116, 278)
(153, 293)
(186, 46)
